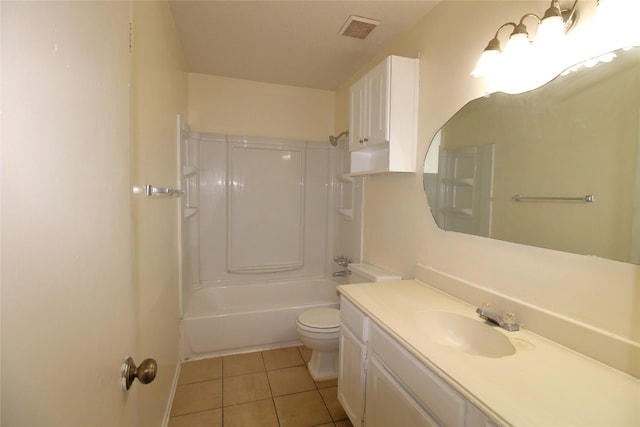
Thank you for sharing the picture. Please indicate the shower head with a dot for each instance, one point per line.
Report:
(334, 139)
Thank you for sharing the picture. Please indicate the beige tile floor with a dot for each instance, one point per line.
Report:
(264, 389)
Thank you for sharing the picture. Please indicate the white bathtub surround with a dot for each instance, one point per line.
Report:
(234, 318)
(542, 383)
(256, 240)
(266, 207)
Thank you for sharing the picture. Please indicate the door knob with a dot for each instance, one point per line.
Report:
(145, 373)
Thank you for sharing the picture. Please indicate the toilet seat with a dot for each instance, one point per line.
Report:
(320, 320)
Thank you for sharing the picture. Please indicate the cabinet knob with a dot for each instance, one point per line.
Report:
(361, 141)
(366, 140)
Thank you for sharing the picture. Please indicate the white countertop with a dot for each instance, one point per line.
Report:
(542, 384)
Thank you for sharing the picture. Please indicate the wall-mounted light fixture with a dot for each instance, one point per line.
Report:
(552, 27)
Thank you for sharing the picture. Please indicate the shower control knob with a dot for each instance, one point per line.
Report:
(145, 373)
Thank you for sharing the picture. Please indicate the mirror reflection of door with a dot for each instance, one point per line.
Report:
(460, 181)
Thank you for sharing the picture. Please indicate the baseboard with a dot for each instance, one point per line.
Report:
(172, 393)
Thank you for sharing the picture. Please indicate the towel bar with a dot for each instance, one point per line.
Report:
(588, 198)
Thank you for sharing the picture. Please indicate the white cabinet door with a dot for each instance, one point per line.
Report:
(358, 115)
(377, 82)
(369, 119)
(475, 418)
(351, 375)
(388, 404)
(427, 388)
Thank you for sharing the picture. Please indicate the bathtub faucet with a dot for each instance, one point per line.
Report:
(343, 273)
(341, 260)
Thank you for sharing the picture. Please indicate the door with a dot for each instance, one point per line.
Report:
(464, 190)
(68, 316)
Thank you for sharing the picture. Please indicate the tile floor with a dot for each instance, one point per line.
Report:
(262, 389)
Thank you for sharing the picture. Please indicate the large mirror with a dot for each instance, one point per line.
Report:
(556, 167)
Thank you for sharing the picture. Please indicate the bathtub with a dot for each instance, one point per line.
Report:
(224, 319)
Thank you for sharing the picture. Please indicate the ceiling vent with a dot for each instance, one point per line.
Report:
(358, 27)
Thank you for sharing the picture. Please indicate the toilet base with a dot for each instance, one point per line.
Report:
(323, 365)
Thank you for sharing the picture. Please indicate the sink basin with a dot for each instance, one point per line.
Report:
(464, 333)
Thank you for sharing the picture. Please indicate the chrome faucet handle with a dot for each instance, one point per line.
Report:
(510, 318)
(507, 321)
(342, 261)
(510, 321)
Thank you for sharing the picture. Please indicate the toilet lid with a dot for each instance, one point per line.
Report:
(320, 318)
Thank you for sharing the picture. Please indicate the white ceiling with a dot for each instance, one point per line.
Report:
(287, 42)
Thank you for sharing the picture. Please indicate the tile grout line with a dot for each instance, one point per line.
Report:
(273, 400)
(222, 386)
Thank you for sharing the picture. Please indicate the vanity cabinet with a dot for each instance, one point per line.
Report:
(388, 404)
(352, 361)
(383, 118)
(381, 383)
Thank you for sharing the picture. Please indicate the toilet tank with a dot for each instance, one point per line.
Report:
(362, 273)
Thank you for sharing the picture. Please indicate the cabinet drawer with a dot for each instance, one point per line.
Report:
(354, 319)
(436, 396)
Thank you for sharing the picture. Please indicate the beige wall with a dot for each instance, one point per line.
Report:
(243, 107)
(159, 93)
(399, 230)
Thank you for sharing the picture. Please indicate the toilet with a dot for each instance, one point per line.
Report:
(319, 328)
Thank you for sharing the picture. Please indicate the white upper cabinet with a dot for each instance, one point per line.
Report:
(378, 88)
(383, 118)
(357, 113)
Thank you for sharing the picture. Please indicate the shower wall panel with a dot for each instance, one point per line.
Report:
(264, 208)
(265, 203)
(189, 222)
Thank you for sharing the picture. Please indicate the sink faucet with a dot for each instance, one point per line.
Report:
(343, 273)
(506, 321)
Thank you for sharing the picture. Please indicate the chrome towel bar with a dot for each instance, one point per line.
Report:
(150, 190)
(588, 198)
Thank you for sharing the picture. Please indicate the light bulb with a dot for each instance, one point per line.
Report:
(517, 45)
(550, 31)
(486, 64)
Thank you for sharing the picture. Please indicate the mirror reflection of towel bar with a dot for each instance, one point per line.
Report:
(588, 198)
